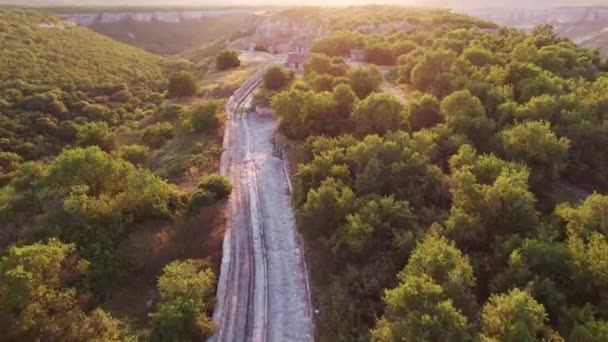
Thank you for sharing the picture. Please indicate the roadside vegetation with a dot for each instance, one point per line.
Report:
(101, 150)
(467, 212)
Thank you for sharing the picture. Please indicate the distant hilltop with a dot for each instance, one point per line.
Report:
(557, 15)
(587, 26)
(88, 19)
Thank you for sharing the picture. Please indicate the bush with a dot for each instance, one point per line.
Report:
(217, 185)
(186, 289)
(277, 78)
(158, 134)
(135, 154)
(170, 112)
(182, 84)
(198, 200)
(227, 59)
(209, 190)
(202, 116)
(97, 134)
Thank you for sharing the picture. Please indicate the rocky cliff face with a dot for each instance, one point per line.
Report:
(587, 26)
(88, 19)
(559, 16)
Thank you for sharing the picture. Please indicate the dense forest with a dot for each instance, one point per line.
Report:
(471, 209)
(108, 196)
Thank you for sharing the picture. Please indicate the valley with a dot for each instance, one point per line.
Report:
(362, 173)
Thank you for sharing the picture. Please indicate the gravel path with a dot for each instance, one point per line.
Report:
(262, 291)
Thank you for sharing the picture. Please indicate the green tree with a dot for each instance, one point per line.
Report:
(427, 304)
(466, 115)
(432, 73)
(97, 134)
(345, 101)
(39, 300)
(135, 154)
(379, 224)
(513, 316)
(535, 144)
(440, 259)
(422, 112)
(210, 189)
(186, 291)
(377, 114)
(227, 60)
(277, 78)
(418, 309)
(156, 135)
(181, 84)
(326, 208)
(203, 116)
(365, 81)
(479, 56)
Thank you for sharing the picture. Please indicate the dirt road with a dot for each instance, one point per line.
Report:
(262, 291)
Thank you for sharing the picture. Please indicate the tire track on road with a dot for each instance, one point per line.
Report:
(262, 292)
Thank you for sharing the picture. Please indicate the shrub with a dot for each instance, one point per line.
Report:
(186, 289)
(97, 134)
(158, 134)
(210, 189)
(277, 78)
(170, 112)
(202, 116)
(227, 59)
(216, 184)
(136, 154)
(200, 199)
(182, 84)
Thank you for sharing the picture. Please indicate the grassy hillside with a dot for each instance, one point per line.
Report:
(72, 55)
(96, 171)
(55, 77)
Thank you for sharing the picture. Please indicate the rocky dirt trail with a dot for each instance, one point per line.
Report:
(262, 291)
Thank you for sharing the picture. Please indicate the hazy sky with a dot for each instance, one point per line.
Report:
(434, 3)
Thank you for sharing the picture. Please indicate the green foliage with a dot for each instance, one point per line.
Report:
(57, 78)
(422, 112)
(216, 184)
(345, 100)
(9, 163)
(337, 44)
(227, 59)
(97, 134)
(377, 114)
(434, 287)
(277, 78)
(186, 293)
(533, 105)
(365, 81)
(39, 299)
(91, 198)
(513, 316)
(203, 116)
(156, 135)
(465, 114)
(380, 54)
(182, 84)
(209, 190)
(135, 154)
(535, 144)
(323, 65)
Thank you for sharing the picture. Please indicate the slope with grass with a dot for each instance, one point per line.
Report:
(96, 172)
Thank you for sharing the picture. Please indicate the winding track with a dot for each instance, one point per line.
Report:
(262, 292)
